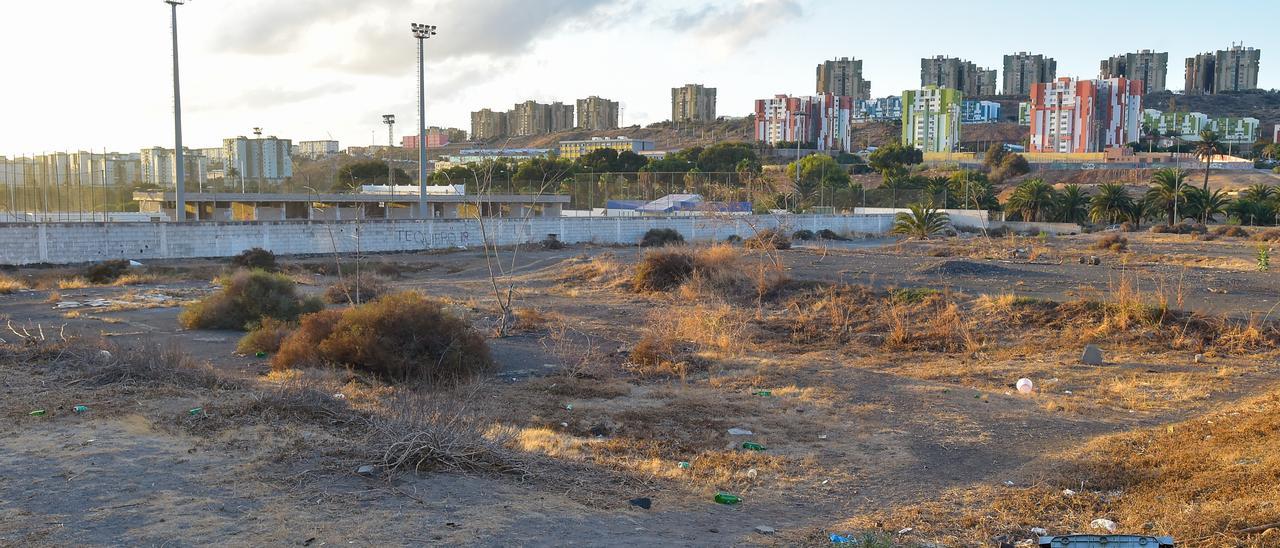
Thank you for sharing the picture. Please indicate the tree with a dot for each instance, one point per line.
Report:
(893, 159)
(728, 157)
(1011, 165)
(1210, 145)
(1111, 204)
(1031, 198)
(600, 160)
(1165, 192)
(629, 162)
(1252, 211)
(365, 172)
(920, 222)
(1205, 205)
(1139, 210)
(972, 189)
(1260, 192)
(1072, 205)
(818, 173)
(541, 171)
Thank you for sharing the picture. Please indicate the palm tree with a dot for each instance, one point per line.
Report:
(1260, 192)
(1205, 205)
(1138, 211)
(1111, 204)
(920, 222)
(935, 187)
(1073, 204)
(1251, 211)
(1210, 145)
(1166, 189)
(1032, 197)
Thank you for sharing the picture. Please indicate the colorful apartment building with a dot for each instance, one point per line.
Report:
(1186, 126)
(884, 109)
(824, 120)
(1080, 116)
(931, 118)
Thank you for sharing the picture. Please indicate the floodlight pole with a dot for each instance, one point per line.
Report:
(179, 159)
(422, 33)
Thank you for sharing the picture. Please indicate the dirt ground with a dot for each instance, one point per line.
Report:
(867, 422)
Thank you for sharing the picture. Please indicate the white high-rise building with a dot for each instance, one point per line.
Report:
(264, 159)
(157, 167)
(931, 118)
(317, 149)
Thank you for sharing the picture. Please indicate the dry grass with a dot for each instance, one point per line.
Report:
(75, 282)
(356, 290)
(677, 339)
(1204, 481)
(601, 269)
(1269, 235)
(1112, 242)
(266, 337)
(10, 285)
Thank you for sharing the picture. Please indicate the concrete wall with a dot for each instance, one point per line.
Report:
(65, 243)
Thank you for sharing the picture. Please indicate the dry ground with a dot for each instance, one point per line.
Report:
(889, 370)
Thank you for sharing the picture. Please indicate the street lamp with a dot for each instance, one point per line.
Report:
(422, 32)
(179, 159)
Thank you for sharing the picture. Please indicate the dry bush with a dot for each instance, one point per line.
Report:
(663, 270)
(804, 235)
(9, 285)
(1112, 242)
(603, 269)
(75, 282)
(266, 337)
(1269, 235)
(390, 271)
(673, 337)
(659, 237)
(1211, 480)
(531, 319)
(399, 337)
(768, 239)
(422, 432)
(246, 297)
(255, 259)
(68, 361)
(1231, 231)
(356, 290)
(106, 272)
(828, 234)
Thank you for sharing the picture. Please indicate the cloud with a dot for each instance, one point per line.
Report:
(266, 97)
(372, 36)
(734, 25)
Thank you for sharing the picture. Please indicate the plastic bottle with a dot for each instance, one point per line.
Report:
(37, 413)
(726, 498)
(683, 464)
(80, 408)
(765, 393)
(195, 411)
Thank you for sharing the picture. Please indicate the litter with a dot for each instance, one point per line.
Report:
(740, 432)
(752, 446)
(195, 411)
(1025, 386)
(1102, 523)
(837, 539)
(80, 408)
(726, 498)
(37, 413)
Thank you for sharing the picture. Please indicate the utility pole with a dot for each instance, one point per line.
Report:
(422, 33)
(180, 205)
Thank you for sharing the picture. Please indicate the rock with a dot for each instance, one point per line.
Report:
(740, 432)
(367, 470)
(1039, 531)
(1092, 355)
(104, 355)
(765, 530)
(1102, 523)
(1199, 358)
(642, 502)
(1095, 261)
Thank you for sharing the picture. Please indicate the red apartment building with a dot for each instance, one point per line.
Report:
(1080, 116)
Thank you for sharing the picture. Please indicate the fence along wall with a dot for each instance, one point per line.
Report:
(67, 243)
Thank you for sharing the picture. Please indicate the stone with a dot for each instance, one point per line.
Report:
(740, 432)
(1040, 531)
(1199, 358)
(1102, 523)
(1092, 355)
(367, 470)
(642, 502)
(765, 530)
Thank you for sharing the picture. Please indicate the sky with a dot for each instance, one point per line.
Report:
(96, 74)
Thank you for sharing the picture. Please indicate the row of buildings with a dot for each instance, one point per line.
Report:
(534, 118)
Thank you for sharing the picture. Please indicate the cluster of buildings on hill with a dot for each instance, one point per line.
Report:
(1065, 115)
(689, 103)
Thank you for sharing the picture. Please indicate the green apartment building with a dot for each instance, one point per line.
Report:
(931, 118)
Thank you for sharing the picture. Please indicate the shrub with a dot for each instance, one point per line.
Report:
(768, 239)
(344, 291)
(246, 297)
(658, 237)
(266, 337)
(1231, 232)
(10, 285)
(552, 241)
(106, 272)
(663, 270)
(803, 235)
(1128, 227)
(827, 234)
(256, 258)
(1112, 242)
(733, 239)
(1180, 228)
(1272, 235)
(400, 337)
(388, 270)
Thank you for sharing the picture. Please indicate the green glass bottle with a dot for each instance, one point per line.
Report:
(752, 446)
(726, 498)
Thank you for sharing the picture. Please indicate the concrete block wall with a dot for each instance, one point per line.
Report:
(68, 243)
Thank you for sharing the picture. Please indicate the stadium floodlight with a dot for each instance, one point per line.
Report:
(422, 33)
(179, 159)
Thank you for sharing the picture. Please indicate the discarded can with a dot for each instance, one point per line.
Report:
(752, 446)
(80, 408)
(195, 411)
(568, 407)
(765, 393)
(37, 413)
(261, 354)
(683, 464)
(726, 498)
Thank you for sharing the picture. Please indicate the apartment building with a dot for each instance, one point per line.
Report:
(1234, 69)
(306, 149)
(1023, 70)
(1078, 116)
(1149, 67)
(263, 159)
(487, 124)
(843, 78)
(595, 113)
(823, 120)
(156, 167)
(931, 118)
(572, 150)
(957, 74)
(693, 103)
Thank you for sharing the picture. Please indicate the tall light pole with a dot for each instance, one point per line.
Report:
(179, 159)
(422, 32)
(390, 121)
